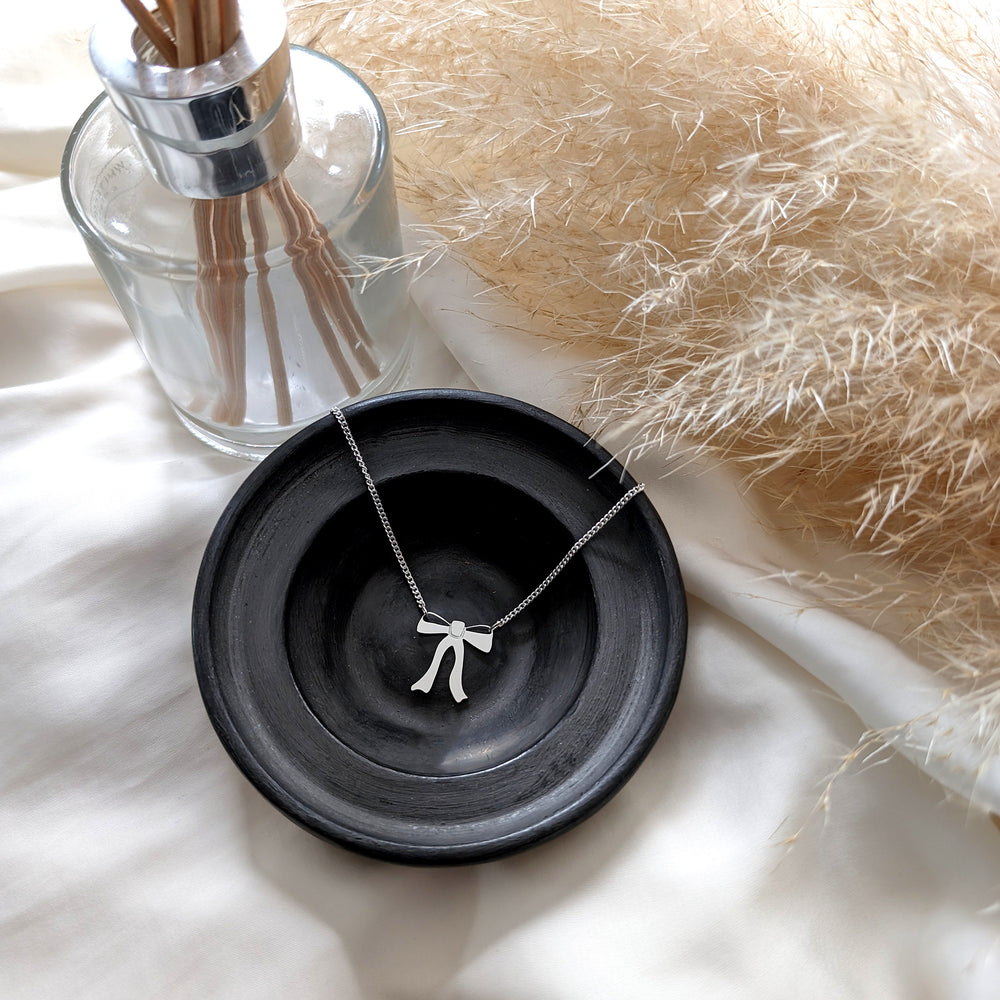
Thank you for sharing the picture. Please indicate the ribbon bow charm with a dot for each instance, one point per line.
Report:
(454, 636)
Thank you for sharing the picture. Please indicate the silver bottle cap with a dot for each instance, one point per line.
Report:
(208, 131)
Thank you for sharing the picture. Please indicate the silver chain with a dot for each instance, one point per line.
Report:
(390, 534)
(574, 548)
(398, 552)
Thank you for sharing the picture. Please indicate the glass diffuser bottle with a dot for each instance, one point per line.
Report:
(247, 228)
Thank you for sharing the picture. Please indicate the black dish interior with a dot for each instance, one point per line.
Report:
(306, 645)
(476, 544)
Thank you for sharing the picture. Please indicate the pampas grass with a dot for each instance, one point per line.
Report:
(776, 226)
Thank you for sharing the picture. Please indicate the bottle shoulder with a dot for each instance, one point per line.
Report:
(342, 160)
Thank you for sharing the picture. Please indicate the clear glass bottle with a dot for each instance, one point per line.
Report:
(248, 229)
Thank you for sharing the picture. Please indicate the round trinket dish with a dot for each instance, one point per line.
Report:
(306, 646)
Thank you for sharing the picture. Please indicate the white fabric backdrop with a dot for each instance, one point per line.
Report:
(136, 862)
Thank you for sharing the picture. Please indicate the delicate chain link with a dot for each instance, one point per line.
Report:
(390, 534)
(398, 552)
(574, 548)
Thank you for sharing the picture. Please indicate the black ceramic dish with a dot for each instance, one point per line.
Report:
(305, 631)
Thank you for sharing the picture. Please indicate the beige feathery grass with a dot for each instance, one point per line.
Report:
(776, 223)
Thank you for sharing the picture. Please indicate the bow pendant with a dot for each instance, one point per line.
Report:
(454, 636)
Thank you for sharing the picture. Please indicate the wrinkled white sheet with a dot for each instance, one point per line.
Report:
(135, 861)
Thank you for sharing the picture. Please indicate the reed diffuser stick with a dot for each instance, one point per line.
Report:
(207, 304)
(154, 31)
(187, 33)
(268, 312)
(308, 243)
(166, 11)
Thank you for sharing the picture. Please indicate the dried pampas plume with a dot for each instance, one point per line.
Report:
(775, 223)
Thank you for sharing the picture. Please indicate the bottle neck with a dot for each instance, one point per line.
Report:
(213, 130)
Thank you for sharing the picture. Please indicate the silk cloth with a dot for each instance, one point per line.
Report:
(135, 861)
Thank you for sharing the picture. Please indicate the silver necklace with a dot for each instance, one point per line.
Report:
(455, 634)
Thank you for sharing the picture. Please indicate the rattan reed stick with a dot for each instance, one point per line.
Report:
(187, 54)
(302, 255)
(208, 304)
(233, 274)
(269, 315)
(166, 11)
(332, 286)
(154, 30)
